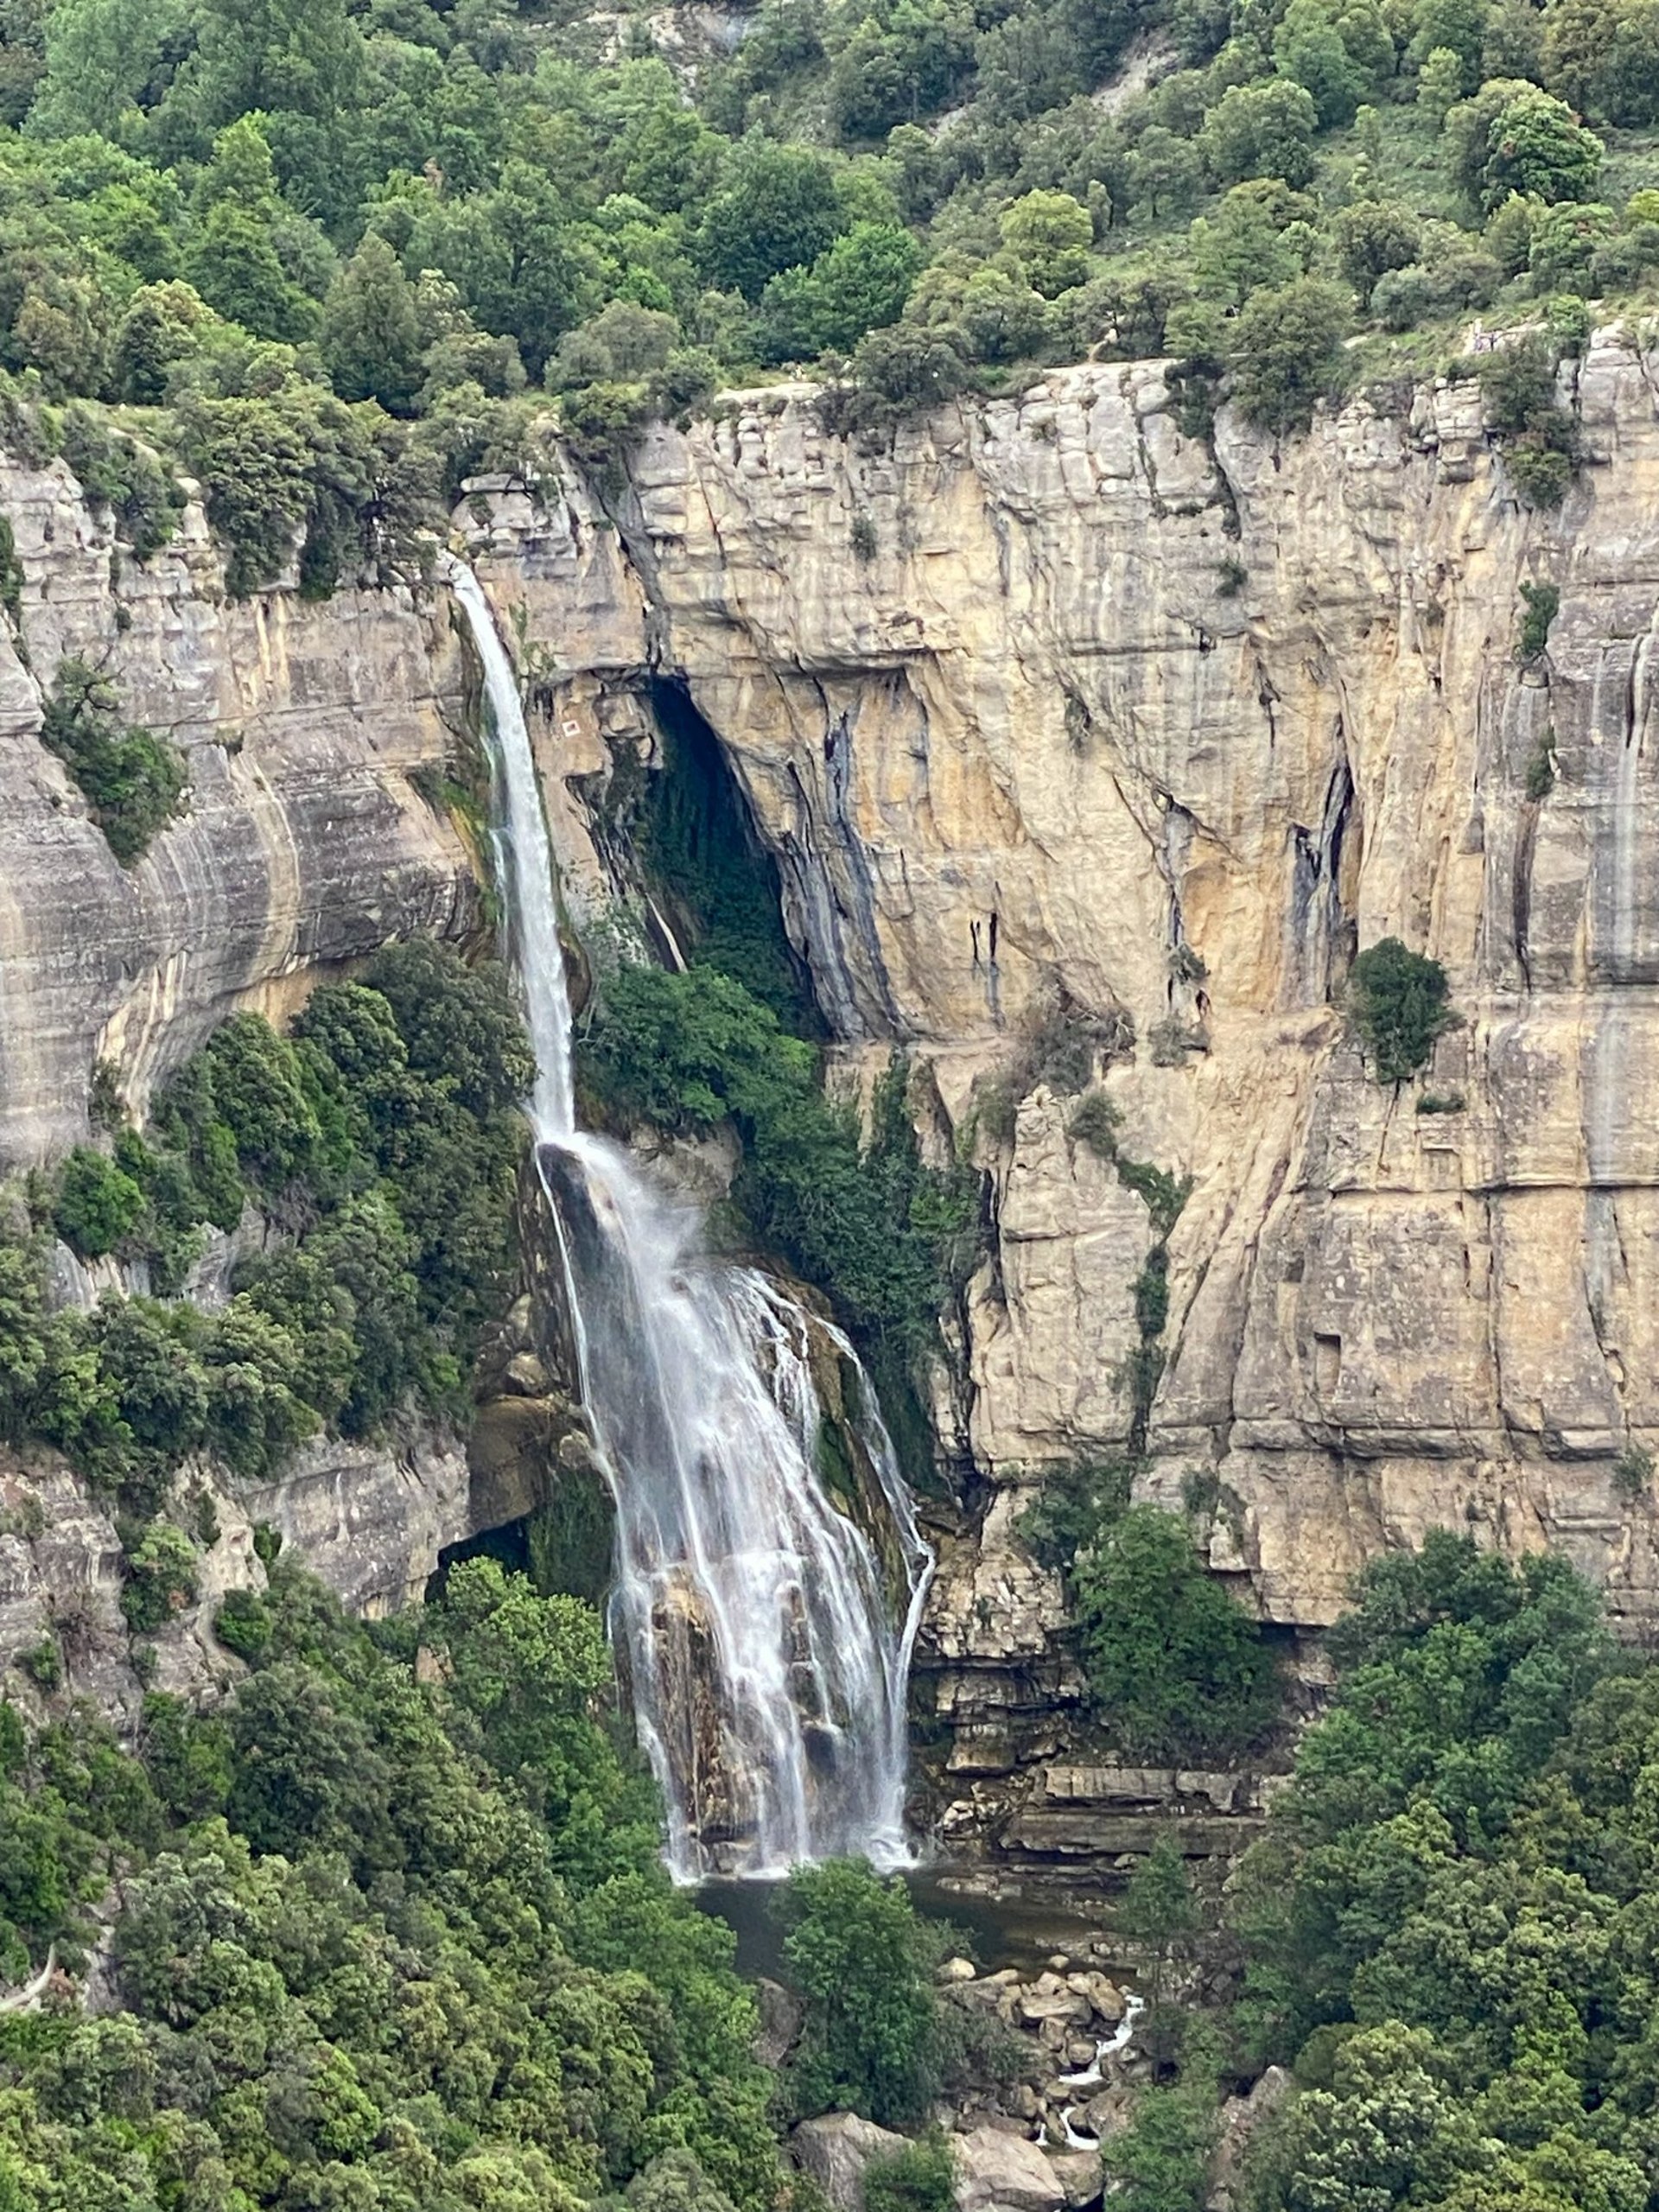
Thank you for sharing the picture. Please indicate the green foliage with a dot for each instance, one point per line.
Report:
(43, 1663)
(919, 2178)
(97, 1204)
(333, 242)
(117, 473)
(1075, 1503)
(1159, 1906)
(1096, 1122)
(1540, 439)
(1633, 1471)
(1160, 2161)
(1443, 1919)
(133, 781)
(1286, 352)
(1166, 1195)
(385, 1127)
(1542, 603)
(863, 1962)
(1459, 1676)
(887, 1236)
(1177, 1669)
(1397, 1000)
(1264, 130)
(346, 1950)
(160, 1578)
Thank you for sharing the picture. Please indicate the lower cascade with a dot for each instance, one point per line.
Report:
(768, 1664)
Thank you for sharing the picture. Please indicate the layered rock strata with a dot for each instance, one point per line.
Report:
(1118, 726)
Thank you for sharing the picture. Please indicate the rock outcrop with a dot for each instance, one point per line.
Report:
(1122, 722)
(306, 844)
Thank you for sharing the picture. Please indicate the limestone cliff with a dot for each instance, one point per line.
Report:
(305, 843)
(309, 730)
(1050, 712)
(1045, 704)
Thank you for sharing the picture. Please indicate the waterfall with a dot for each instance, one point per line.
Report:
(768, 1668)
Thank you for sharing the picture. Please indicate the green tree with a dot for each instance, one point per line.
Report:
(1159, 1907)
(1372, 237)
(530, 1669)
(1309, 49)
(1161, 2162)
(232, 258)
(1177, 1669)
(1260, 131)
(1398, 1000)
(1440, 82)
(1165, 172)
(370, 334)
(97, 1205)
(776, 207)
(1286, 352)
(1261, 233)
(860, 283)
(862, 1963)
(1536, 146)
(100, 56)
(299, 63)
(133, 781)
(160, 1578)
(1048, 234)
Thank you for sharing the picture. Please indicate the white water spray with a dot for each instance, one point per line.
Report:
(768, 1673)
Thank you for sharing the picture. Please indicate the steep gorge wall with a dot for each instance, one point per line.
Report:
(1104, 698)
(305, 844)
(1155, 726)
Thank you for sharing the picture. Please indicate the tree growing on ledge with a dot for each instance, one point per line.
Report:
(1397, 1000)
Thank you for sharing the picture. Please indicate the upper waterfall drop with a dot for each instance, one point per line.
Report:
(768, 1664)
(526, 863)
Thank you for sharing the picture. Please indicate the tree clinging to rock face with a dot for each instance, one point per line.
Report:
(1398, 1000)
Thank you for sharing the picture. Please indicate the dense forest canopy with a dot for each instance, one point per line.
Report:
(349, 250)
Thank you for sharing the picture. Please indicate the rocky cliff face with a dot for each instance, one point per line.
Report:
(306, 842)
(307, 728)
(1048, 707)
(1056, 719)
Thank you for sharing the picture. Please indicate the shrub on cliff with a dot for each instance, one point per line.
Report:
(97, 1204)
(1397, 1000)
(385, 1132)
(865, 1219)
(1177, 1667)
(1286, 352)
(133, 781)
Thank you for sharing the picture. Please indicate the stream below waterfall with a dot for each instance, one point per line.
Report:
(768, 1667)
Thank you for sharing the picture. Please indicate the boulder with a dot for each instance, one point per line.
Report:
(835, 2151)
(781, 2015)
(1062, 2005)
(1081, 2175)
(1007, 2171)
(1240, 2116)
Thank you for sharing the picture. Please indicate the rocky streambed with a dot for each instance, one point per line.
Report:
(1060, 2072)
